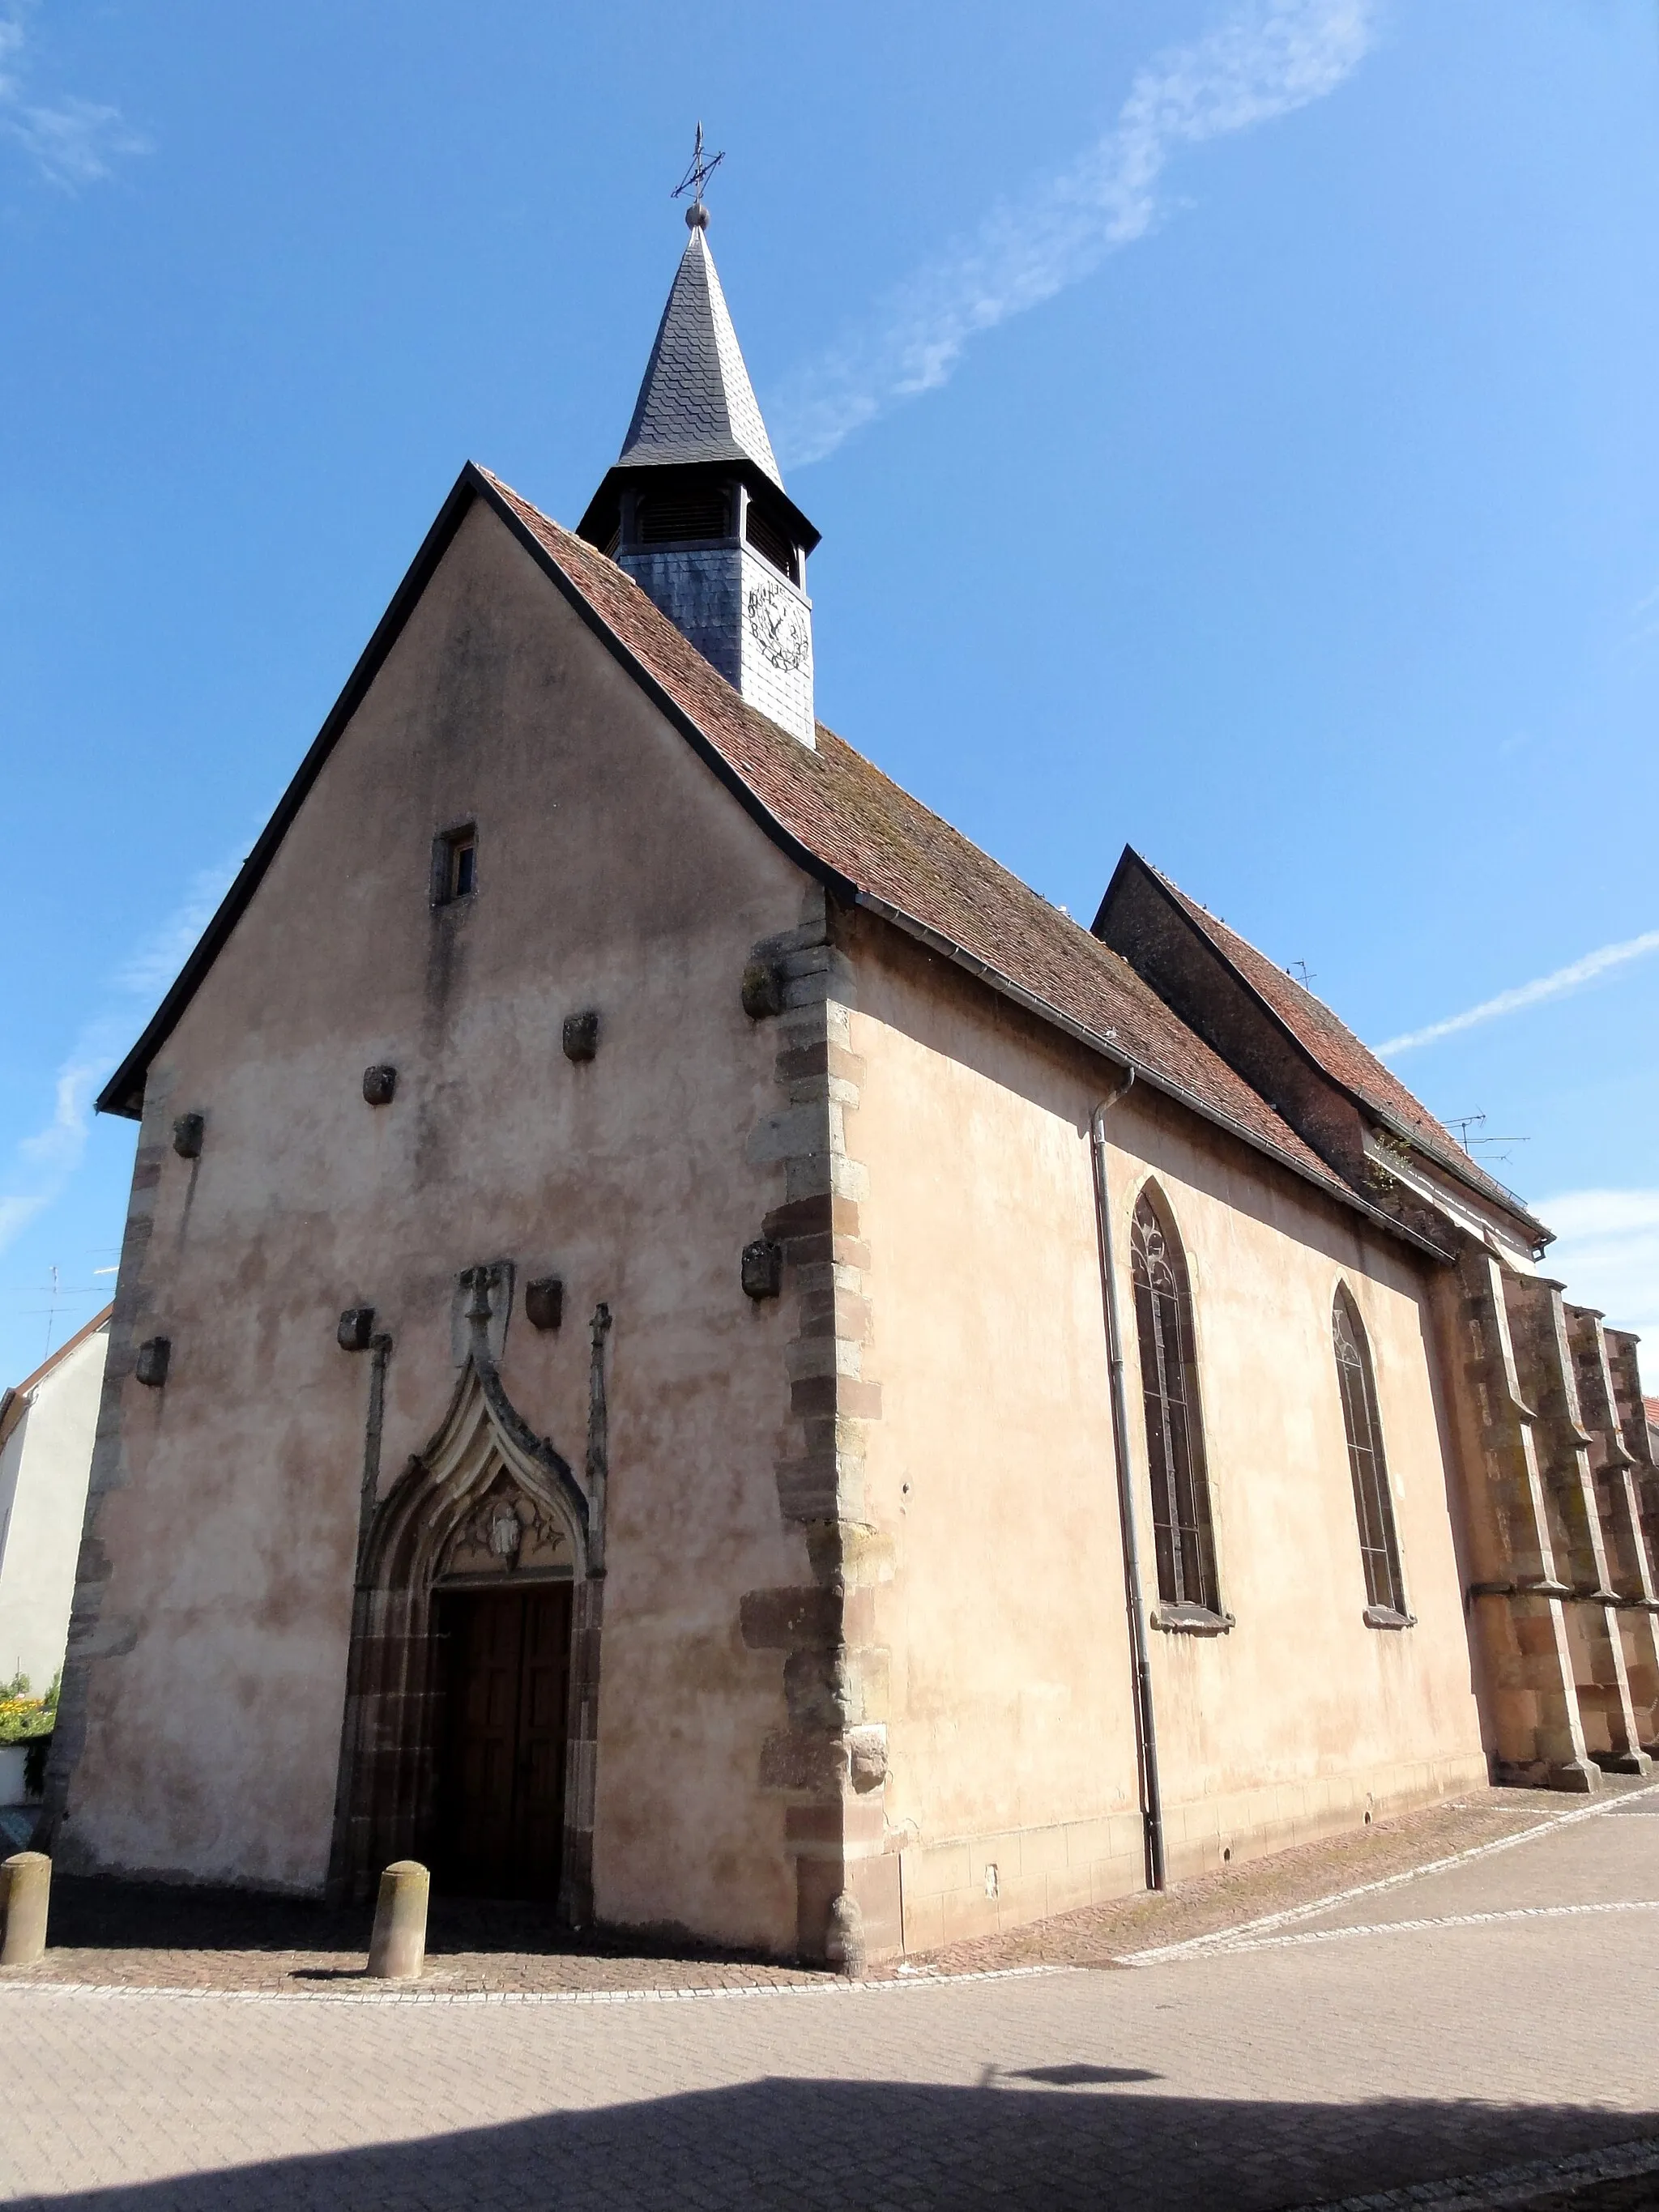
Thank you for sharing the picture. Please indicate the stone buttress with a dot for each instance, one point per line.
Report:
(828, 1760)
(1561, 1569)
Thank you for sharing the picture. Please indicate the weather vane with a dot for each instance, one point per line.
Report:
(702, 167)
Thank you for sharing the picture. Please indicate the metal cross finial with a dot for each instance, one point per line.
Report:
(702, 167)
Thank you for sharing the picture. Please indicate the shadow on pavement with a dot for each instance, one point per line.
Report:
(787, 2144)
(1078, 2076)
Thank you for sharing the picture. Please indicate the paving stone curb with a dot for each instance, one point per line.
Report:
(1512, 2185)
(1231, 1938)
(828, 1987)
(1444, 1920)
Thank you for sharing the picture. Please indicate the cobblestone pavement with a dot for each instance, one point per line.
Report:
(134, 1935)
(1463, 2023)
(140, 1935)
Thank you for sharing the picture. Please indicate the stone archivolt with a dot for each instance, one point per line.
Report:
(446, 1517)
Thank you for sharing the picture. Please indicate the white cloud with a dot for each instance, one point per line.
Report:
(16, 1215)
(43, 1162)
(1556, 985)
(72, 141)
(1606, 1252)
(156, 959)
(1267, 58)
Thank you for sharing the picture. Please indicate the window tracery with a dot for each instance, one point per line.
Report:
(1182, 1530)
(1373, 1503)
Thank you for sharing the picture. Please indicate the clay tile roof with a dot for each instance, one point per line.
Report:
(838, 816)
(1338, 1051)
(895, 854)
(696, 403)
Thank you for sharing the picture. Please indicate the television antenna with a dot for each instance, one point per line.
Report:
(1464, 1122)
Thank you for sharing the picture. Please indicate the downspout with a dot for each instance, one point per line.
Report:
(1151, 1803)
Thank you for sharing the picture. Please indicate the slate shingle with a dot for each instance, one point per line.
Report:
(696, 403)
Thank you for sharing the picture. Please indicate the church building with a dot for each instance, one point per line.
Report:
(689, 1346)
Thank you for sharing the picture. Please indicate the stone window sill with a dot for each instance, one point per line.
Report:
(1190, 1620)
(1384, 1616)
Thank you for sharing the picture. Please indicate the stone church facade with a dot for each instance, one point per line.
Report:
(688, 1346)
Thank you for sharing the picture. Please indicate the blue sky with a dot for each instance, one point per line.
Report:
(1233, 427)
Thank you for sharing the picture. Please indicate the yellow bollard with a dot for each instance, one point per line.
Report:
(396, 1951)
(25, 1894)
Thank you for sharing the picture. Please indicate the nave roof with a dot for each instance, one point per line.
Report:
(843, 821)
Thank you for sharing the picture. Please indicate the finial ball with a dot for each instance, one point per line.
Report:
(697, 216)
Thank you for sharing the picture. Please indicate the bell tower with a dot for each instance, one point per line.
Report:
(695, 509)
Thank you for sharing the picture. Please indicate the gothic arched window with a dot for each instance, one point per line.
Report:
(1175, 1433)
(1379, 1547)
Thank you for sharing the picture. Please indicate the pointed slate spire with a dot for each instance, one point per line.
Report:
(696, 403)
(694, 510)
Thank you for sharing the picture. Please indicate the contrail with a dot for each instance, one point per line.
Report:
(1556, 985)
(1268, 58)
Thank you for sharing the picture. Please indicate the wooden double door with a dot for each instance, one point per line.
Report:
(500, 1781)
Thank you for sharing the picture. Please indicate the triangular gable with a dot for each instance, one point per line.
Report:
(123, 1092)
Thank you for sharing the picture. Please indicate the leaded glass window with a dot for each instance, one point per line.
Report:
(1175, 1433)
(1379, 1547)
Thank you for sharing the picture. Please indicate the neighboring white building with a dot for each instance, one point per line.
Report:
(46, 1427)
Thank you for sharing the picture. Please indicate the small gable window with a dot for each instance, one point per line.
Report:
(1373, 1505)
(1175, 1433)
(455, 865)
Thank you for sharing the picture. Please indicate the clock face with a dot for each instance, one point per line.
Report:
(778, 626)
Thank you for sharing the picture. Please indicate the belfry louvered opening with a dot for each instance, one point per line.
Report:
(1373, 1505)
(692, 515)
(1182, 1530)
(771, 545)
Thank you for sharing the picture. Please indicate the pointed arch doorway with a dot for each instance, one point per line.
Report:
(471, 1722)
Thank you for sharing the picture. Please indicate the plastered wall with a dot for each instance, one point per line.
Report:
(613, 873)
(1012, 1780)
(44, 1467)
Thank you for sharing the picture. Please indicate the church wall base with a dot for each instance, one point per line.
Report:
(988, 1884)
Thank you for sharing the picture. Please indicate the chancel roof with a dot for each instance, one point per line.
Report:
(1338, 1052)
(696, 403)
